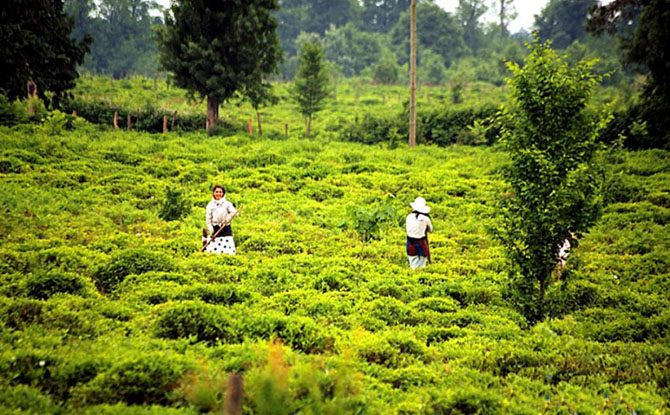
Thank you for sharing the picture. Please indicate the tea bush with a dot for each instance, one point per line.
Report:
(130, 261)
(147, 379)
(43, 286)
(360, 332)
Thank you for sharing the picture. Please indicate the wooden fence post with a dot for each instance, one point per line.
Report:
(165, 124)
(116, 120)
(129, 124)
(250, 127)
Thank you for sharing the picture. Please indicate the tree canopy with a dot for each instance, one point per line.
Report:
(122, 33)
(37, 46)
(550, 135)
(563, 21)
(215, 49)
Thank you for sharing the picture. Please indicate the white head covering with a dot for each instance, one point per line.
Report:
(419, 205)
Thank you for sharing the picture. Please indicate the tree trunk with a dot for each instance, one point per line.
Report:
(212, 111)
(309, 126)
(543, 290)
(260, 128)
(412, 76)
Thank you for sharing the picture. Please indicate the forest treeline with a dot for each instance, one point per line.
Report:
(367, 38)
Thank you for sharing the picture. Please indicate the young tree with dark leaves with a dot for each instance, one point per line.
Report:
(311, 83)
(216, 49)
(37, 47)
(550, 136)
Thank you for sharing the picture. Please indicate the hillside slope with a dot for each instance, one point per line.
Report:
(104, 305)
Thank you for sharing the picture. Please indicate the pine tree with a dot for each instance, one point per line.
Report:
(36, 46)
(217, 48)
(311, 83)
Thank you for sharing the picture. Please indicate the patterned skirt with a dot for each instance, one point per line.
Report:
(222, 245)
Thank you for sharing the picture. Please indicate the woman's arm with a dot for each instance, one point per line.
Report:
(429, 224)
(209, 213)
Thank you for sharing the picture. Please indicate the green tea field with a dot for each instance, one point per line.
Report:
(108, 307)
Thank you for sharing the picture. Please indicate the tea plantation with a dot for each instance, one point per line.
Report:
(108, 307)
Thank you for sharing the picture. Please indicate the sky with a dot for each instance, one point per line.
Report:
(526, 9)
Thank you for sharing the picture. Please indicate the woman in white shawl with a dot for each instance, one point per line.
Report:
(219, 213)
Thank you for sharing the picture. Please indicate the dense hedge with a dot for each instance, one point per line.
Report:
(148, 119)
(441, 126)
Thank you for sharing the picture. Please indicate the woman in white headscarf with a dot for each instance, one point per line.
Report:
(418, 225)
(218, 216)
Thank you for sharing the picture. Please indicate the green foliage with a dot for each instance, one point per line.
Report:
(563, 22)
(445, 37)
(387, 70)
(368, 222)
(197, 320)
(144, 380)
(360, 334)
(38, 48)
(210, 63)
(550, 137)
(130, 261)
(122, 33)
(175, 206)
(440, 126)
(351, 49)
(55, 122)
(311, 83)
(43, 286)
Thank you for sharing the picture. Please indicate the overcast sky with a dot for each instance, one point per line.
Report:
(526, 10)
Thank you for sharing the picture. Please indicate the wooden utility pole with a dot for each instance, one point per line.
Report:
(412, 75)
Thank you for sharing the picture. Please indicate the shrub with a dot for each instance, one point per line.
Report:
(218, 294)
(44, 285)
(22, 399)
(7, 113)
(194, 319)
(17, 313)
(468, 400)
(12, 165)
(175, 206)
(130, 261)
(144, 380)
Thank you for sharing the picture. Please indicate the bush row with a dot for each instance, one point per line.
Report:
(440, 126)
(148, 119)
(477, 126)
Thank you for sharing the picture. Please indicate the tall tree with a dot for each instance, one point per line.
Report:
(437, 30)
(36, 45)
(215, 49)
(647, 49)
(563, 21)
(352, 49)
(260, 94)
(469, 13)
(381, 15)
(506, 13)
(312, 16)
(550, 136)
(122, 32)
(311, 83)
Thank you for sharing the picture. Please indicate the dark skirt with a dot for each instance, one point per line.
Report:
(417, 247)
(227, 231)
